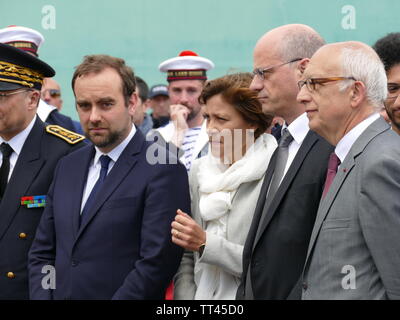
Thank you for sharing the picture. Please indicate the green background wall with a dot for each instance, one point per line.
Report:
(144, 33)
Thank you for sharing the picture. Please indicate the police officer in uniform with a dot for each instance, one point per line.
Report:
(29, 154)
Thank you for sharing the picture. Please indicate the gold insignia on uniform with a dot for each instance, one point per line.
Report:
(13, 73)
(69, 136)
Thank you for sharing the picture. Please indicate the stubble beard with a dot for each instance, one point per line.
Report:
(105, 141)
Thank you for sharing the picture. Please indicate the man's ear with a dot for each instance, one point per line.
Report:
(132, 103)
(357, 94)
(301, 66)
(34, 97)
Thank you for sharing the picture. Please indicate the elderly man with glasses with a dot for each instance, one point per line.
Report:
(355, 244)
(276, 245)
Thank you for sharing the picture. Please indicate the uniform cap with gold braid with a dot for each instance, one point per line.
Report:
(187, 66)
(19, 69)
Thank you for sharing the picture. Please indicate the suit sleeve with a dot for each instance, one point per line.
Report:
(380, 217)
(43, 250)
(167, 191)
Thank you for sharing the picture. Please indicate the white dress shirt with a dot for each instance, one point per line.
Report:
(16, 143)
(44, 110)
(95, 166)
(344, 145)
(298, 129)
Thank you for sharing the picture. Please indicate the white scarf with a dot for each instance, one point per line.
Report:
(217, 188)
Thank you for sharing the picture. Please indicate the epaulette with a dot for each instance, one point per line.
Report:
(69, 136)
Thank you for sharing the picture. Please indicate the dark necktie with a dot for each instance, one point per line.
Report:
(105, 161)
(333, 165)
(6, 150)
(281, 159)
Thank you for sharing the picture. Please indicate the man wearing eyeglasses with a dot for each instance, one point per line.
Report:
(29, 153)
(354, 247)
(388, 50)
(276, 246)
(51, 93)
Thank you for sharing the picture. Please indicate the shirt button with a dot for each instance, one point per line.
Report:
(10, 275)
(74, 263)
(22, 235)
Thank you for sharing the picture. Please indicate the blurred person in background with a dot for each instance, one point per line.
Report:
(159, 103)
(388, 50)
(186, 131)
(141, 119)
(51, 93)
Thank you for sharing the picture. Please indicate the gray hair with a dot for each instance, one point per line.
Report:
(300, 43)
(366, 67)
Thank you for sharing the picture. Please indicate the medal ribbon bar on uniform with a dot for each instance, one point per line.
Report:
(33, 201)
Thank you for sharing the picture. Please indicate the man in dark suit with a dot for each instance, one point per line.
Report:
(30, 151)
(276, 245)
(29, 40)
(106, 231)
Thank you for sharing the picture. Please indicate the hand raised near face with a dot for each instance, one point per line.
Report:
(179, 114)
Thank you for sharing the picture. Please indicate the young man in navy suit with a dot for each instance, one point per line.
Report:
(106, 231)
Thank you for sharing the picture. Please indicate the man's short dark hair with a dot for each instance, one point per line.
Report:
(98, 62)
(143, 88)
(388, 49)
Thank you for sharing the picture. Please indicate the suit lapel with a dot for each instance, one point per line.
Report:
(344, 170)
(26, 169)
(80, 173)
(305, 147)
(118, 173)
(326, 202)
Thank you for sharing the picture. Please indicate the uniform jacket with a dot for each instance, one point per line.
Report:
(31, 176)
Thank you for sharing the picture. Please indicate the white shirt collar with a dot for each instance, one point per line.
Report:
(44, 110)
(17, 142)
(298, 128)
(344, 145)
(116, 152)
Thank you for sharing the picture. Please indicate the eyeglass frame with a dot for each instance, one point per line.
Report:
(311, 82)
(261, 71)
(2, 95)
